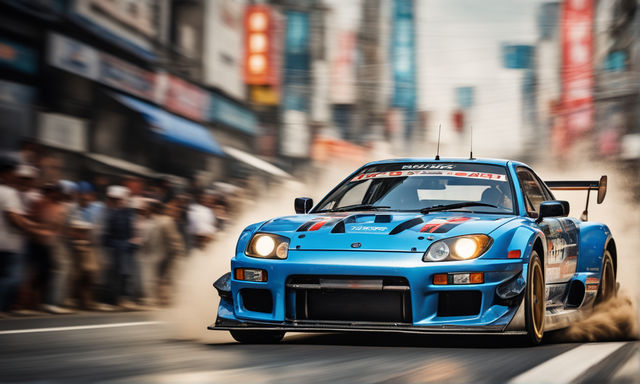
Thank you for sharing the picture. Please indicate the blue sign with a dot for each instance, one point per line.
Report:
(464, 97)
(615, 61)
(18, 57)
(233, 115)
(403, 55)
(517, 56)
(297, 62)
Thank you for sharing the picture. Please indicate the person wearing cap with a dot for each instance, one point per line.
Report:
(14, 227)
(117, 235)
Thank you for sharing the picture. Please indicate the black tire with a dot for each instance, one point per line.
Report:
(534, 300)
(607, 288)
(257, 337)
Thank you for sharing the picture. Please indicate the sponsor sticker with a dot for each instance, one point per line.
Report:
(405, 173)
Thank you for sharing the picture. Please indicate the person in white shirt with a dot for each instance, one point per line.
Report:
(14, 226)
(201, 221)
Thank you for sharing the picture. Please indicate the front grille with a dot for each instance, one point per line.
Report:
(459, 303)
(348, 298)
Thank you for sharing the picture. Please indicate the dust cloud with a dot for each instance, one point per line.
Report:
(615, 319)
(195, 300)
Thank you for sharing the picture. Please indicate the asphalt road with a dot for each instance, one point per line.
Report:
(135, 347)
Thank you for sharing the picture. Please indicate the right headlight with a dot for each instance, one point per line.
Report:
(458, 248)
(268, 246)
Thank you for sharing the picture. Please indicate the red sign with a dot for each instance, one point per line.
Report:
(259, 61)
(577, 65)
(186, 99)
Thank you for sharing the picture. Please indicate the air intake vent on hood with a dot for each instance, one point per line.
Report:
(406, 225)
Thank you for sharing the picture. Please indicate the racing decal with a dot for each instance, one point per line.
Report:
(367, 228)
(443, 225)
(562, 249)
(405, 173)
(319, 222)
(591, 283)
(428, 166)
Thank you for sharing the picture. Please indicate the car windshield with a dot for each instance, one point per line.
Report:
(434, 186)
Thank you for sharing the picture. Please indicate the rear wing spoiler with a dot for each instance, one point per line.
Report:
(592, 185)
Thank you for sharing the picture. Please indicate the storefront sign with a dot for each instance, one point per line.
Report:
(62, 131)
(17, 56)
(186, 99)
(231, 114)
(73, 56)
(129, 78)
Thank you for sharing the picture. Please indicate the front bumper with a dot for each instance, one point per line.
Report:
(493, 316)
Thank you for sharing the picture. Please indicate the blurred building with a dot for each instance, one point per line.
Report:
(115, 86)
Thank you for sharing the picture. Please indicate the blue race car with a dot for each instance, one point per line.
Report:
(425, 246)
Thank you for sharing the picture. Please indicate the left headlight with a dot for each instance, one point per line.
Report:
(458, 248)
(268, 246)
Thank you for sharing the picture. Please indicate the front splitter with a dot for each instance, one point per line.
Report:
(223, 324)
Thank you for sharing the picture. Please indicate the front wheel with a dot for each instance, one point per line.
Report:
(535, 300)
(257, 337)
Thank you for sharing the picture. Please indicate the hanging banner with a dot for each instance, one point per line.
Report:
(403, 55)
(577, 66)
(295, 135)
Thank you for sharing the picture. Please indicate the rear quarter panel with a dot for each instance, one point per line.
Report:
(593, 240)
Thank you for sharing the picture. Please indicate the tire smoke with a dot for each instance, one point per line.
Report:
(615, 319)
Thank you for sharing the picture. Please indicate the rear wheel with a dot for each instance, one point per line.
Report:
(607, 289)
(535, 300)
(257, 337)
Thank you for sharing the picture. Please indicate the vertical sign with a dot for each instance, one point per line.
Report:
(403, 55)
(577, 66)
(295, 136)
(259, 27)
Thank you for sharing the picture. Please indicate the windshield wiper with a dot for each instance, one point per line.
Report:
(445, 207)
(357, 207)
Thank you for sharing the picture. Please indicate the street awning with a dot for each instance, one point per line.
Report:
(174, 128)
(121, 164)
(255, 162)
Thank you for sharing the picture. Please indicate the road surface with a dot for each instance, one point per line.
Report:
(136, 347)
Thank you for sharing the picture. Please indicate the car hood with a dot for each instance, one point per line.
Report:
(384, 231)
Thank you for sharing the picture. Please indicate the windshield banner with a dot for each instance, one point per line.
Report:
(471, 175)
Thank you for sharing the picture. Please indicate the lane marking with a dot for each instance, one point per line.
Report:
(79, 327)
(570, 365)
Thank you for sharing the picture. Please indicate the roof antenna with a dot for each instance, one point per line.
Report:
(471, 142)
(438, 150)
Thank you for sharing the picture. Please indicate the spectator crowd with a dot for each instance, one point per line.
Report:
(68, 246)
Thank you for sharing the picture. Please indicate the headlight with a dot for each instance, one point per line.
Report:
(458, 248)
(268, 246)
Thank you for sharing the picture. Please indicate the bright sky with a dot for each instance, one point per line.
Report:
(459, 45)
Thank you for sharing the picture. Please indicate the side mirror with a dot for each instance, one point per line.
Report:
(303, 204)
(553, 208)
(602, 189)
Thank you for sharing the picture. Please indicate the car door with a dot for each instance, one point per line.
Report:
(561, 233)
